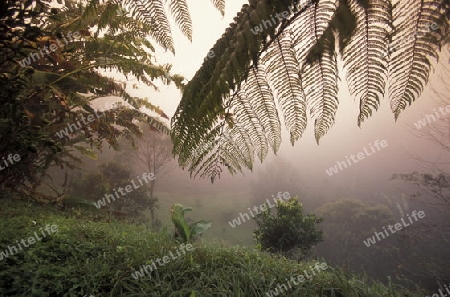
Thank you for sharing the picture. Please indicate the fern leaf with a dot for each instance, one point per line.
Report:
(152, 12)
(246, 116)
(365, 55)
(239, 139)
(414, 47)
(180, 12)
(256, 86)
(319, 80)
(220, 5)
(282, 71)
(303, 37)
(314, 47)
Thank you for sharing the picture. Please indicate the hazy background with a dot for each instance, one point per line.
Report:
(343, 139)
(370, 175)
(300, 169)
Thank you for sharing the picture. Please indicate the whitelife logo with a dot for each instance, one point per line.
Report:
(280, 17)
(128, 189)
(380, 235)
(53, 48)
(262, 207)
(441, 294)
(165, 259)
(31, 240)
(90, 118)
(9, 161)
(282, 288)
(360, 155)
(430, 117)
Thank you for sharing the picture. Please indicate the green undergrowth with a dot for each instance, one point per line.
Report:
(96, 258)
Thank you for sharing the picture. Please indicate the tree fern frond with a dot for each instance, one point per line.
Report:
(205, 159)
(295, 60)
(319, 80)
(152, 12)
(155, 123)
(124, 23)
(230, 154)
(193, 159)
(239, 138)
(246, 116)
(220, 5)
(282, 71)
(323, 15)
(303, 36)
(364, 55)
(180, 12)
(314, 49)
(109, 12)
(212, 167)
(73, 16)
(231, 148)
(414, 47)
(262, 102)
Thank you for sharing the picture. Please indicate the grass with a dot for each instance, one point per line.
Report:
(88, 257)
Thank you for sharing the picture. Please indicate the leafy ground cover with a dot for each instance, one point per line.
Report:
(89, 256)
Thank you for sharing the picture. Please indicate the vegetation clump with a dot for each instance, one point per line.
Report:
(289, 230)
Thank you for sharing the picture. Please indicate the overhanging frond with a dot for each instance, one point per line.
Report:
(319, 80)
(288, 51)
(152, 13)
(180, 12)
(283, 75)
(246, 118)
(220, 5)
(264, 107)
(415, 45)
(365, 58)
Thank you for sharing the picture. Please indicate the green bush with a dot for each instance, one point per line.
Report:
(288, 230)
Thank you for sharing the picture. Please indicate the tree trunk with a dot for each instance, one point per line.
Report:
(153, 206)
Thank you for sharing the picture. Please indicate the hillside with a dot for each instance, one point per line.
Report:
(87, 256)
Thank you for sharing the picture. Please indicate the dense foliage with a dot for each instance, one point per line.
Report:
(42, 95)
(54, 66)
(289, 230)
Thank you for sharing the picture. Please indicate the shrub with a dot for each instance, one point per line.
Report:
(288, 230)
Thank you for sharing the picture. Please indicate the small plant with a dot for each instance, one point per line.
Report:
(288, 230)
(182, 228)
